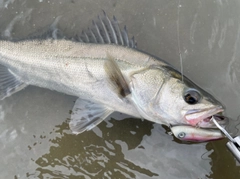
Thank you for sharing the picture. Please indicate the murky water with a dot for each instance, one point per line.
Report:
(34, 135)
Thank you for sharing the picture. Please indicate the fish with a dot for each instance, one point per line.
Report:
(107, 72)
(193, 134)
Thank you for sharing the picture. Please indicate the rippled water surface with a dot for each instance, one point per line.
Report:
(35, 140)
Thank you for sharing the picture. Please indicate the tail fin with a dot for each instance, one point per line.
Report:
(9, 84)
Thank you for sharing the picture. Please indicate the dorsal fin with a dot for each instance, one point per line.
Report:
(106, 31)
(48, 32)
(102, 31)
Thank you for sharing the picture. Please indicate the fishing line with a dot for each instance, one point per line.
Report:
(232, 126)
(237, 124)
(179, 51)
(238, 119)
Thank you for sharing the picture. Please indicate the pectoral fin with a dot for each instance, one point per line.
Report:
(86, 115)
(116, 78)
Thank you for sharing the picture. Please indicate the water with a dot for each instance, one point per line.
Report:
(35, 139)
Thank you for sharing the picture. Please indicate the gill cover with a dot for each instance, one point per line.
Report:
(146, 85)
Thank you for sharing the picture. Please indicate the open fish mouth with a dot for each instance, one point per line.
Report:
(202, 118)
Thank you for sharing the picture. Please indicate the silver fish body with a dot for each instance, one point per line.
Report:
(106, 78)
(73, 68)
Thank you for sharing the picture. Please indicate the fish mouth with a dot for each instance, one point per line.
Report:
(202, 118)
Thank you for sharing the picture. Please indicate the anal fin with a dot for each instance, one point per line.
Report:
(86, 115)
(9, 84)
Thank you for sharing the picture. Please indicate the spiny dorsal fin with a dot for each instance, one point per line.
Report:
(102, 31)
(116, 77)
(106, 31)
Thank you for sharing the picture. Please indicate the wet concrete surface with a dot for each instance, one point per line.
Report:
(35, 138)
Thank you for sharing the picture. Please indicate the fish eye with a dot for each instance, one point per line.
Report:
(192, 96)
(181, 135)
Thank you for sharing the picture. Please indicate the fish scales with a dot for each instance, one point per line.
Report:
(106, 78)
(69, 67)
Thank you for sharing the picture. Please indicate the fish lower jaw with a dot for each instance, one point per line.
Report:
(202, 120)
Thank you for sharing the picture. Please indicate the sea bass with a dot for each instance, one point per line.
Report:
(106, 71)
